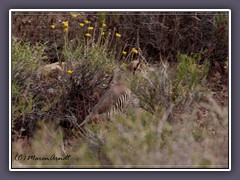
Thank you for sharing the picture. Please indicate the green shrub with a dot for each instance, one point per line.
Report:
(26, 59)
(190, 71)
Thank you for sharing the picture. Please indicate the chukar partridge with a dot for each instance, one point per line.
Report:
(116, 98)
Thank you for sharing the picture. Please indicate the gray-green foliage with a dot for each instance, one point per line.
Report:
(134, 140)
(190, 72)
(153, 88)
(26, 59)
(155, 134)
(190, 76)
(159, 87)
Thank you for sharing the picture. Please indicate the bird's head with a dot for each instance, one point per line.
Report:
(126, 71)
(132, 67)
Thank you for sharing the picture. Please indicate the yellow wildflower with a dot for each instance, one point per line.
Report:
(124, 53)
(53, 26)
(65, 29)
(104, 25)
(134, 50)
(69, 71)
(87, 22)
(90, 28)
(81, 24)
(103, 33)
(118, 35)
(65, 24)
(74, 15)
(88, 35)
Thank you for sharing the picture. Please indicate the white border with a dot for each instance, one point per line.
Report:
(118, 10)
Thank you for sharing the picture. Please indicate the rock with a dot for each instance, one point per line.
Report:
(54, 70)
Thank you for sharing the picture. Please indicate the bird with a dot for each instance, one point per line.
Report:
(116, 98)
(134, 65)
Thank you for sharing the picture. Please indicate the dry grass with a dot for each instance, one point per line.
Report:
(191, 140)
